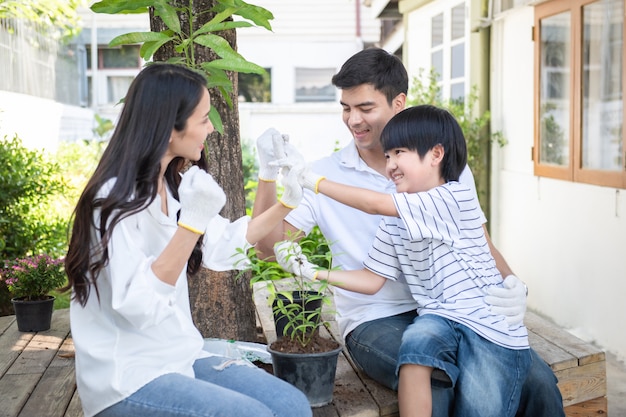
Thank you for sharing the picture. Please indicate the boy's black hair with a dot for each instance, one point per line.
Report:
(420, 129)
(377, 67)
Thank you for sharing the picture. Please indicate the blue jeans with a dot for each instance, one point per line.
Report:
(487, 377)
(374, 347)
(235, 390)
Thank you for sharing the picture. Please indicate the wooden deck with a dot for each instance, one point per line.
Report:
(37, 372)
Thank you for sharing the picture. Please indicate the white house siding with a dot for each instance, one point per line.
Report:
(305, 34)
(566, 240)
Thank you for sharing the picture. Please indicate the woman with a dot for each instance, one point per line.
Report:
(140, 226)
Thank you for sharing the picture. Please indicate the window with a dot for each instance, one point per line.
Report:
(447, 53)
(313, 84)
(504, 5)
(115, 71)
(255, 88)
(579, 108)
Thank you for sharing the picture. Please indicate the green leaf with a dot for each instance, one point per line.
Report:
(258, 15)
(216, 27)
(216, 76)
(238, 64)
(148, 49)
(169, 16)
(218, 44)
(139, 37)
(122, 6)
(216, 120)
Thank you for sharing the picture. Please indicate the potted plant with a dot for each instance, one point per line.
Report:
(300, 355)
(29, 281)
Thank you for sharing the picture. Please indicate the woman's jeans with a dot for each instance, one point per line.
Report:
(217, 391)
(374, 347)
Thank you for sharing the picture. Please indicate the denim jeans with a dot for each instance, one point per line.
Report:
(487, 377)
(374, 347)
(236, 390)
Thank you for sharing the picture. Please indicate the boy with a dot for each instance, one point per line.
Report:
(431, 237)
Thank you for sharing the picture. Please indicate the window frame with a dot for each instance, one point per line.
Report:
(574, 170)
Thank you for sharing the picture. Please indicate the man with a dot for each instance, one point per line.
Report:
(373, 87)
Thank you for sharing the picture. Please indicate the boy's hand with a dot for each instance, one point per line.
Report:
(290, 257)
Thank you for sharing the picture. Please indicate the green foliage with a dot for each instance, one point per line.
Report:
(426, 90)
(37, 197)
(185, 43)
(552, 136)
(57, 17)
(33, 277)
(28, 222)
(302, 322)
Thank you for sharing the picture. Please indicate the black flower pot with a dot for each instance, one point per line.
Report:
(33, 316)
(311, 373)
(310, 306)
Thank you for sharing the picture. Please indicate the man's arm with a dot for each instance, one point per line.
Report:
(501, 264)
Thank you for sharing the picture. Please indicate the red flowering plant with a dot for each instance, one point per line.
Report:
(33, 277)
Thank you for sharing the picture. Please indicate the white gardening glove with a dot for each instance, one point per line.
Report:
(292, 193)
(309, 179)
(509, 300)
(290, 257)
(270, 146)
(201, 198)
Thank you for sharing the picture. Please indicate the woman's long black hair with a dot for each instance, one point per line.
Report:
(161, 98)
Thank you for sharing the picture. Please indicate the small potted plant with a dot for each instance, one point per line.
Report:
(30, 281)
(298, 303)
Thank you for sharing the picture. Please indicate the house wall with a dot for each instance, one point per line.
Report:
(566, 240)
(306, 34)
(41, 123)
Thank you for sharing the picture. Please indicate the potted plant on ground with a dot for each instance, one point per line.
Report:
(300, 355)
(30, 281)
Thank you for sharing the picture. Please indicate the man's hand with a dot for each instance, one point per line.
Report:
(290, 257)
(509, 301)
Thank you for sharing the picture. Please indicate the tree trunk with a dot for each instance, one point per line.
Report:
(221, 306)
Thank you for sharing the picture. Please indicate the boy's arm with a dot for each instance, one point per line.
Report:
(290, 257)
(371, 202)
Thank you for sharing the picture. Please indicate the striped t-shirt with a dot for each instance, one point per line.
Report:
(437, 245)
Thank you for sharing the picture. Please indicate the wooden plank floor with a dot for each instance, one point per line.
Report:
(37, 374)
(37, 371)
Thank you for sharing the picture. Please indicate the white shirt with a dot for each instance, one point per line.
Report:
(438, 247)
(141, 328)
(351, 233)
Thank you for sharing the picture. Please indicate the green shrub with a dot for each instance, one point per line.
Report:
(29, 224)
(38, 193)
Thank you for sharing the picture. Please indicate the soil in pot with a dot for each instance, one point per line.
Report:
(318, 344)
